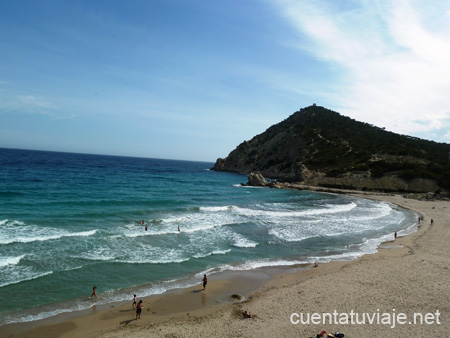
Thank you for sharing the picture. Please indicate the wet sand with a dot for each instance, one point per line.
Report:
(407, 276)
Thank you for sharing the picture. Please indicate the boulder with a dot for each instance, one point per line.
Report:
(255, 179)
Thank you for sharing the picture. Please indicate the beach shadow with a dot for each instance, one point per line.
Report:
(126, 322)
(196, 291)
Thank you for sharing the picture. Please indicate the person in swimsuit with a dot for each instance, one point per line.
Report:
(134, 301)
(205, 281)
(94, 292)
(139, 308)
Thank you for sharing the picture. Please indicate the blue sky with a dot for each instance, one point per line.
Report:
(193, 79)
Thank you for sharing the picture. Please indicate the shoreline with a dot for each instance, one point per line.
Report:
(208, 309)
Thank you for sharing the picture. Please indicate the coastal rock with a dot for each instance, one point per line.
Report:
(255, 179)
(364, 182)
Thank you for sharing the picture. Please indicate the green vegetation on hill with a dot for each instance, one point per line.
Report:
(324, 141)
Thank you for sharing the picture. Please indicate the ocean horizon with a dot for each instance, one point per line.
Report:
(70, 221)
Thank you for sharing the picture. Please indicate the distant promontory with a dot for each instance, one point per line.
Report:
(319, 147)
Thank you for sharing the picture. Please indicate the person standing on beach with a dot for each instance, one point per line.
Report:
(139, 308)
(94, 292)
(395, 235)
(205, 281)
(134, 301)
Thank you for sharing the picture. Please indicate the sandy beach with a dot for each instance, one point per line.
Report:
(401, 291)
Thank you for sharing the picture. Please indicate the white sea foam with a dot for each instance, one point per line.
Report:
(242, 242)
(145, 254)
(11, 223)
(11, 233)
(216, 252)
(144, 257)
(221, 252)
(203, 255)
(251, 265)
(288, 235)
(18, 277)
(189, 223)
(347, 256)
(216, 209)
(5, 261)
(81, 234)
(95, 256)
(327, 209)
(152, 261)
(42, 315)
(166, 231)
(245, 244)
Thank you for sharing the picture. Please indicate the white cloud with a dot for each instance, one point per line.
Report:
(31, 104)
(394, 57)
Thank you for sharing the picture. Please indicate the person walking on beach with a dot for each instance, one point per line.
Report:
(134, 301)
(94, 292)
(395, 235)
(139, 308)
(205, 281)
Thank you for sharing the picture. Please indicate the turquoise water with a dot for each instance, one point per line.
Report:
(71, 221)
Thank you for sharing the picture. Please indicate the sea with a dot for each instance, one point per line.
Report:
(71, 221)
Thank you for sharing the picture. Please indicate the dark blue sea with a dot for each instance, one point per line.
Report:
(71, 221)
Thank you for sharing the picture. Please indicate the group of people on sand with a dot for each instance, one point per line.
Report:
(139, 306)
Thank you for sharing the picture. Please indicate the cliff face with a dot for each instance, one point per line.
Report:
(317, 146)
(364, 182)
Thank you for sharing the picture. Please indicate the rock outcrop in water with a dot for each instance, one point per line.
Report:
(255, 179)
(317, 146)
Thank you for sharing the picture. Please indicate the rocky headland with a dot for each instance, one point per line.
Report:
(319, 147)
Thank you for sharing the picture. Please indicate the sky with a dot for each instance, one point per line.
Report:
(191, 80)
